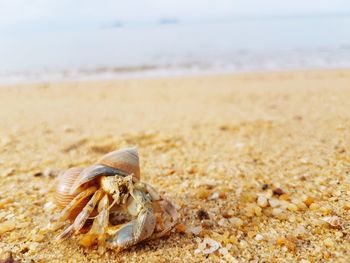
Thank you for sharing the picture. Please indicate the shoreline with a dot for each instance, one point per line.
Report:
(164, 74)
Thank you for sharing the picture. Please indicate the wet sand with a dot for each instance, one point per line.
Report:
(256, 162)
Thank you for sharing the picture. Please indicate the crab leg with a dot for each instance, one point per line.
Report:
(64, 214)
(101, 221)
(169, 217)
(138, 229)
(82, 216)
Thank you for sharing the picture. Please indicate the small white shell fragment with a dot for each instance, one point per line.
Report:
(213, 245)
(214, 196)
(333, 221)
(49, 206)
(259, 237)
(208, 246)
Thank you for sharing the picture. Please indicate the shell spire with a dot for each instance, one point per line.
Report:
(126, 160)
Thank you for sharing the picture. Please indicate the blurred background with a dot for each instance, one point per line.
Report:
(68, 40)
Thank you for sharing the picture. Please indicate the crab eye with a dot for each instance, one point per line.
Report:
(123, 189)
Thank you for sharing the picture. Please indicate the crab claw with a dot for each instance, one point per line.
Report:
(138, 229)
(133, 232)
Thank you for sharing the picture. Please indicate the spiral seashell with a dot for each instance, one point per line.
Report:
(65, 182)
(63, 196)
(126, 160)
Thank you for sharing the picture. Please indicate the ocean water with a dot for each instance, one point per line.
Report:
(176, 48)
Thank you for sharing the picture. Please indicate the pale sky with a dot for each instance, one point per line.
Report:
(20, 12)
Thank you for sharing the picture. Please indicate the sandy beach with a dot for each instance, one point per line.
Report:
(257, 162)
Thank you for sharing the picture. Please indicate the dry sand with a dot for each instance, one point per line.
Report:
(214, 143)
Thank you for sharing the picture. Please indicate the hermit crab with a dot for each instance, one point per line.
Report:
(110, 204)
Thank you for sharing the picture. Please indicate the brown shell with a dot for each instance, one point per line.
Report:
(62, 195)
(126, 160)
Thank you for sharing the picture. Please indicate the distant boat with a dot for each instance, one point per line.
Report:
(117, 24)
(113, 24)
(169, 20)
